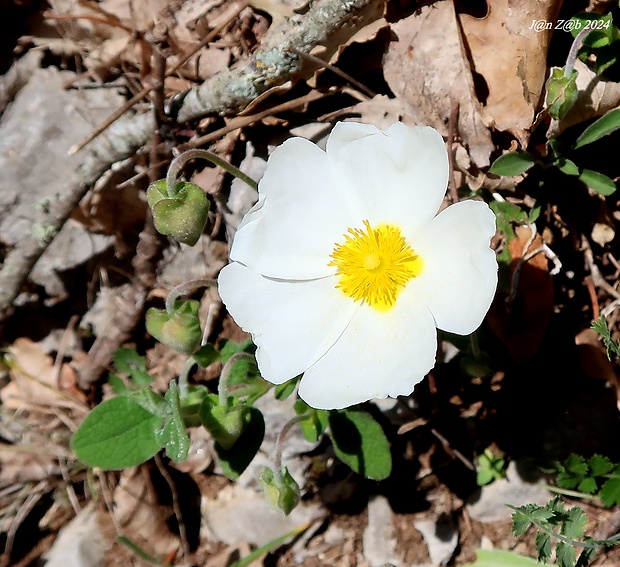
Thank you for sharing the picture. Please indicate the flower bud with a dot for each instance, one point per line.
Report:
(282, 492)
(226, 424)
(183, 215)
(180, 330)
(561, 93)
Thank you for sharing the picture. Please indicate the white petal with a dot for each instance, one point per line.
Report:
(346, 132)
(399, 176)
(292, 323)
(301, 215)
(378, 355)
(459, 276)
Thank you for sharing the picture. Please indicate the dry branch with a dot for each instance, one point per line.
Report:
(272, 64)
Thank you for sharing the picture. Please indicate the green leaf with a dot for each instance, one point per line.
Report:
(565, 554)
(543, 545)
(576, 464)
(600, 465)
(588, 485)
(236, 459)
(130, 363)
(283, 391)
(567, 167)
(117, 434)
(604, 126)
(610, 492)
(598, 182)
(173, 434)
(512, 163)
(359, 442)
(600, 326)
(575, 523)
(500, 558)
(206, 355)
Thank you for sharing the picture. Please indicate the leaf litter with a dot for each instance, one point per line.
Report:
(476, 77)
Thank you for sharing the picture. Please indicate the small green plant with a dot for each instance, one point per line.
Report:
(516, 163)
(489, 467)
(596, 476)
(612, 347)
(559, 529)
(130, 428)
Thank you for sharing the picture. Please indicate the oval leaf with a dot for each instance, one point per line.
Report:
(117, 434)
(605, 125)
(359, 442)
(598, 182)
(512, 163)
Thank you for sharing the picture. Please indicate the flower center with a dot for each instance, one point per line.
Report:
(374, 265)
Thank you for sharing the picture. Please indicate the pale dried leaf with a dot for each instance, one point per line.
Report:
(137, 510)
(427, 68)
(603, 233)
(515, 72)
(380, 111)
(35, 379)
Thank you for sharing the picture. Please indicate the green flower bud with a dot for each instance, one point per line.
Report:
(183, 215)
(561, 93)
(226, 424)
(283, 492)
(180, 330)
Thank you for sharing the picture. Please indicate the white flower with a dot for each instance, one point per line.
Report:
(342, 271)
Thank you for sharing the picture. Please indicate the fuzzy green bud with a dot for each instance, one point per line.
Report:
(183, 215)
(561, 92)
(282, 492)
(180, 330)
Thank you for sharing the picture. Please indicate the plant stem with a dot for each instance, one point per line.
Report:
(179, 162)
(184, 378)
(574, 49)
(185, 288)
(222, 389)
(277, 460)
(475, 347)
(567, 492)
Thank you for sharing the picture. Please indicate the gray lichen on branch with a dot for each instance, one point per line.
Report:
(328, 22)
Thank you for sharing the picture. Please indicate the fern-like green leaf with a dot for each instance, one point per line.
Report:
(565, 554)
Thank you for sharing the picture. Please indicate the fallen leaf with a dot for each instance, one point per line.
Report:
(143, 519)
(521, 322)
(427, 68)
(35, 379)
(512, 58)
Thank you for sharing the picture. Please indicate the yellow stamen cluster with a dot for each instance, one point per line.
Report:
(374, 265)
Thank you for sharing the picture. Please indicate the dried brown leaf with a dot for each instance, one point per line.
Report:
(521, 323)
(35, 379)
(427, 68)
(512, 59)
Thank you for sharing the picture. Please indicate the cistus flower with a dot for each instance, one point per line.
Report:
(342, 271)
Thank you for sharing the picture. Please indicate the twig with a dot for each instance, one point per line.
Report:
(596, 310)
(597, 277)
(335, 70)
(452, 127)
(175, 504)
(158, 84)
(243, 121)
(35, 495)
(269, 66)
